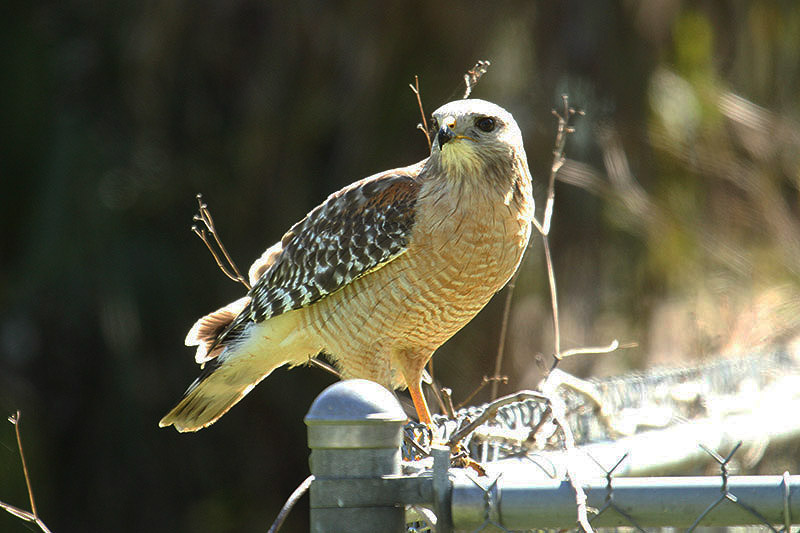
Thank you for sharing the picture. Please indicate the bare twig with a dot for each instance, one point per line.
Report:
(491, 410)
(15, 420)
(501, 345)
(33, 515)
(559, 416)
(547, 415)
(557, 378)
(418, 449)
(424, 124)
(435, 389)
(590, 350)
(290, 503)
(313, 361)
(473, 75)
(229, 268)
(564, 129)
(551, 278)
(447, 404)
(485, 381)
(437, 394)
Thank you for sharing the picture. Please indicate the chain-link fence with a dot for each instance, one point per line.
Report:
(372, 473)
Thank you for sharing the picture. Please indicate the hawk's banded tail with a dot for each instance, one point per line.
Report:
(232, 369)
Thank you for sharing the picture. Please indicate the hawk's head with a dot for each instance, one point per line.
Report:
(472, 136)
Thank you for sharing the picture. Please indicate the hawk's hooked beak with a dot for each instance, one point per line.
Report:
(446, 132)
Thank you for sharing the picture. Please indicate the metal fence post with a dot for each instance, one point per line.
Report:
(355, 430)
(442, 488)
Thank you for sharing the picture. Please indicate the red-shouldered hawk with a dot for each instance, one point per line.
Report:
(381, 274)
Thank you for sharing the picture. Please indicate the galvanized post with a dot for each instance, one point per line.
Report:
(355, 431)
(442, 488)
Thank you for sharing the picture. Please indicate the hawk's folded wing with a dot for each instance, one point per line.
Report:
(354, 232)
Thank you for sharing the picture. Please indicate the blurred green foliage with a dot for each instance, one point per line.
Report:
(676, 222)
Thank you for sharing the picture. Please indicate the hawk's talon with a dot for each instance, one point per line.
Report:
(460, 459)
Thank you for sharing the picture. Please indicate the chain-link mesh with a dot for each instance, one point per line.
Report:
(606, 412)
(600, 410)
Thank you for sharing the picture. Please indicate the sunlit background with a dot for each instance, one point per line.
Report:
(676, 226)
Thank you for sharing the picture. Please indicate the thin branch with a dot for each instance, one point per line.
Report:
(290, 503)
(557, 379)
(501, 345)
(491, 410)
(551, 278)
(559, 416)
(33, 515)
(229, 268)
(424, 125)
(15, 420)
(547, 415)
(19, 513)
(473, 75)
(591, 350)
(418, 449)
(447, 404)
(564, 129)
(485, 381)
(319, 363)
(435, 389)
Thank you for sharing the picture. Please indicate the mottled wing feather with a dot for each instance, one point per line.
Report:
(353, 232)
(263, 263)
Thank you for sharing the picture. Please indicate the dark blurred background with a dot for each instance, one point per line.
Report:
(676, 224)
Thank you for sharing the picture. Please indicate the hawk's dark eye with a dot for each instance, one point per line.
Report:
(485, 123)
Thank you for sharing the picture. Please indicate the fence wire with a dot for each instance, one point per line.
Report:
(675, 421)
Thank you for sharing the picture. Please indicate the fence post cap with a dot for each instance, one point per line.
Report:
(354, 401)
(356, 413)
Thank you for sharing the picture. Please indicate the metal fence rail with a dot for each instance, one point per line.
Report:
(356, 431)
(644, 502)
